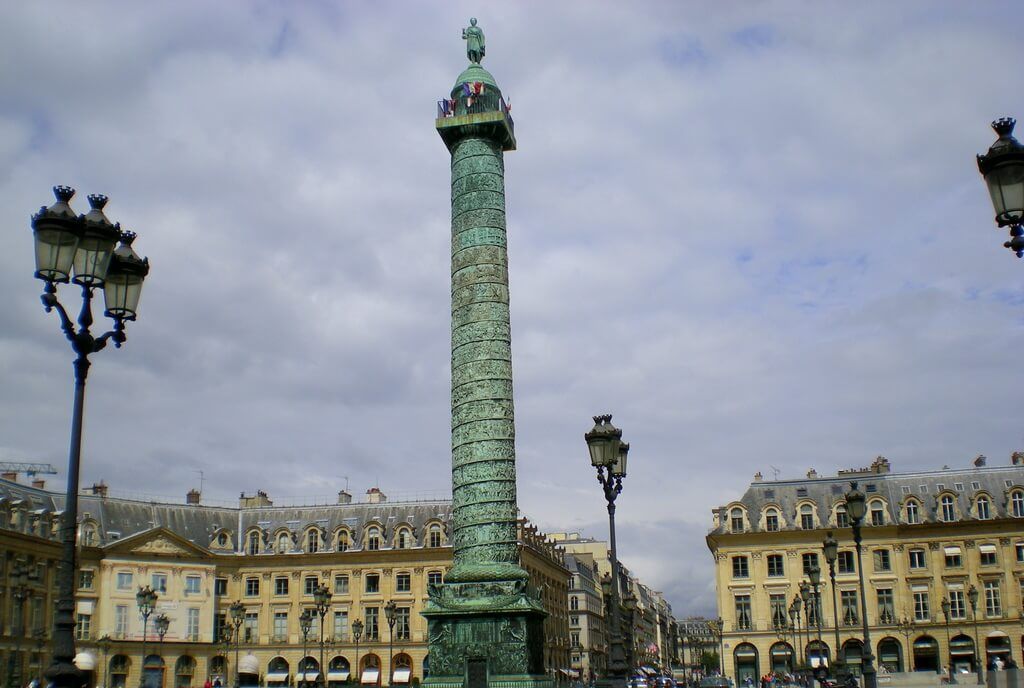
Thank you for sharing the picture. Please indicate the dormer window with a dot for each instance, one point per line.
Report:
(1017, 504)
(284, 542)
(913, 516)
(948, 510)
(254, 543)
(313, 542)
(807, 517)
(983, 508)
(343, 542)
(736, 520)
(373, 538)
(877, 513)
(771, 520)
(434, 535)
(842, 518)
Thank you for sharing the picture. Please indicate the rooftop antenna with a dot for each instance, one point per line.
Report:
(346, 482)
(201, 478)
(775, 472)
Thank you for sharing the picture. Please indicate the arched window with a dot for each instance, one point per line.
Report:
(948, 512)
(983, 508)
(118, 670)
(222, 539)
(877, 513)
(284, 542)
(402, 538)
(373, 538)
(736, 520)
(807, 517)
(434, 535)
(313, 541)
(184, 670)
(913, 514)
(771, 520)
(1017, 504)
(343, 541)
(89, 535)
(842, 518)
(254, 543)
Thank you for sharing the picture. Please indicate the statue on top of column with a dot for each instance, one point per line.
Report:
(474, 37)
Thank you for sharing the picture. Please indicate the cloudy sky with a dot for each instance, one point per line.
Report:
(755, 232)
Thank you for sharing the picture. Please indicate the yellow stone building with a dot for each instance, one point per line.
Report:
(201, 559)
(928, 537)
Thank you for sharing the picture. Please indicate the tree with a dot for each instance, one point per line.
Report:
(709, 661)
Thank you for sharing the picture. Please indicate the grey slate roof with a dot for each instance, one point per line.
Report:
(823, 493)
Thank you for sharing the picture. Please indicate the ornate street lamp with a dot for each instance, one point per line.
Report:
(305, 625)
(357, 633)
(1003, 170)
(814, 572)
(19, 579)
(146, 599)
(227, 632)
(830, 548)
(972, 597)
(322, 599)
(949, 648)
(68, 245)
(805, 596)
(391, 614)
(162, 623)
(237, 610)
(608, 455)
(856, 508)
(794, 615)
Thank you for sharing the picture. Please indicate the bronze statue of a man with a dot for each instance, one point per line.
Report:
(474, 37)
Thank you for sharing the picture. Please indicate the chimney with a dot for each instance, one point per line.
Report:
(10, 475)
(758, 477)
(344, 497)
(1017, 458)
(812, 474)
(193, 496)
(99, 489)
(375, 496)
(260, 499)
(880, 465)
(39, 484)
(979, 461)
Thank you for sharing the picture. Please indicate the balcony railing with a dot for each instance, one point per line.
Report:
(472, 105)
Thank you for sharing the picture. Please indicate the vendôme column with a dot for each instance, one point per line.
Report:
(485, 620)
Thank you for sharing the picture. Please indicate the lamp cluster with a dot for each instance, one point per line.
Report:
(1003, 170)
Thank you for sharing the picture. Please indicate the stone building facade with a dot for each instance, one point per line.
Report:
(200, 559)
(928, 536)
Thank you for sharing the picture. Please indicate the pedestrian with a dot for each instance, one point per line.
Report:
(208, 684)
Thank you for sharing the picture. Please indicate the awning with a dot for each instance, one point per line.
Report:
(310, 676)
(402, 675)
(370, 675)
(952, 551)
(746, 652)
(250, 665)
(818, 661)
(987, 549)
(277, 677)
(337, 675)
(783, 651)
(996, 634)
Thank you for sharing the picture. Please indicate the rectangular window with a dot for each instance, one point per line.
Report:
(777, 604)
(886, 608)
(341, 626)
(1019, 549)
(851, 610)
(775, 565)
(842, 519)
(83, 626)
(912, 515)
(403, 582)
(372, 583)
(434, 578)
(85, 579)
(877, 515)
(310, 584)
(771, 522)
(845, 563)
(220, 586)
(252, 587)
(192, 585)
(743, 612)
(281, 586)
(993, 602)
(987, 554)
(810, 560)
(922, 610)
(371, 624)
(120, 621)
(192, 629)
(341, 585)
(954, 558)
(957, 608)
(807, 521)
(221, 630)
(124, 581)
(740, 568)
(882, 560)
(159, 583)
(403, 630)
(917, 559)
(280, 626)
(251, 627)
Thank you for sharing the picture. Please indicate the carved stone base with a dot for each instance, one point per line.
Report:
(485, 635)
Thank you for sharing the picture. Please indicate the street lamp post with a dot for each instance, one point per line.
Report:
(628, 635)
(856, 507)
(972, 597)
(831, 550)
(225, 640)
(949, 647)
(322, 599)
(19, 580)
(237, 610)
(1003, 170)
(794, 615)
(815, 575)
(805, 595)
(357, 633)
(305, 624)
(146, 598)
(83, 246)
(906, 628)
(390, 613)
(162, 623)
(608, 455)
